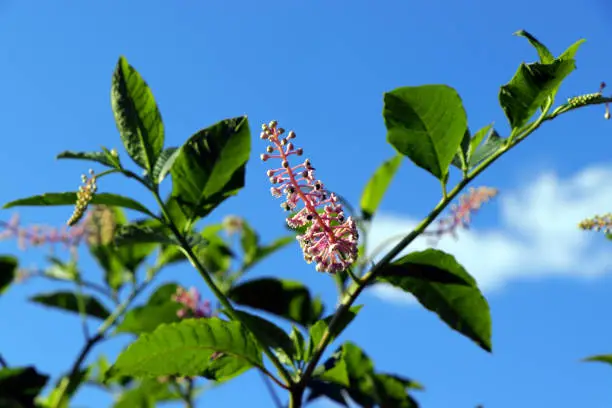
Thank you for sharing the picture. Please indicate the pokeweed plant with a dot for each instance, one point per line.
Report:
(426, 124)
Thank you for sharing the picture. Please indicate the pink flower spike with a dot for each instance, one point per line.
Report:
(192, 305)
(331, 238)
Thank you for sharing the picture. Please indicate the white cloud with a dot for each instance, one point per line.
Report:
(536, 236)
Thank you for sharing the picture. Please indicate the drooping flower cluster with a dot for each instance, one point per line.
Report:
(331, 238)
(461, 214)
(193, 306)
(84, 197)
(598, 223)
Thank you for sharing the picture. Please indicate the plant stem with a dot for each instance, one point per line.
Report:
(270, 388)
(295, 397)
(186, 248)
(356, 288)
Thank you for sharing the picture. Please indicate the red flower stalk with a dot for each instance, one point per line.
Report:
(192, 303)
(461, 214)
(331, 238)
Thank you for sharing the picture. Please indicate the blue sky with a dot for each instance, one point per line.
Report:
(321, 69)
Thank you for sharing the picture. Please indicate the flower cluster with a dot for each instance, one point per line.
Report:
(596, 97)
(192, 303)
(461, 214)
(84, 197)
(598, 223)
(331, 238)
(39, 235)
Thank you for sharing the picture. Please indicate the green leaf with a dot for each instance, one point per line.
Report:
(317, 329)
(443, 286)
(136, 115)
(532, 85)
(249, 241)
(285, 298)
(299, 344)
(68, 301)
(98, 157)
(392, 391)
(210, 166)
(333, 370)
(224, 367)
(8, 269)
(164, 164)
(134, 233)
(462, 158)
(360, 369)
(271, 334)
(20, 386)
(602, 358)
(545, 55)
(570, 52)
(426, 124)
(159, 309)
(481, 152)
(186, 348)
(264, 251)
(332, 391)
(51, 199)
(377, 186)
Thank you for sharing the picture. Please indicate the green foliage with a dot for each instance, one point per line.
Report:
(20, 386)
(164, 164)
(186, 348)
(531, 87)
(159, 309)
(69, 301)
(210, 166)
(272, 335)
(104, 158)
(602, 358)
(52, 199)
(427, 124)
(352, 371)
(443, 286)
(319, 328)
(147, 393)
(8, 269)
(546, 57)
(137, 116)
(377, 186)
(284, 298)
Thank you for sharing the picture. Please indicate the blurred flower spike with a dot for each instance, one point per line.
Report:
(193, 306)
(331, 238)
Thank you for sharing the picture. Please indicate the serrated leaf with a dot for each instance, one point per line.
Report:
(164, 164)
(426, 124)
(137, 116)
(210, 166)
(457, 300)
(530, 87)
(545, 55)
(69, 198)
(8, 269)
(377, 186)
(68, 301)
(186, 348)
(285, 298)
